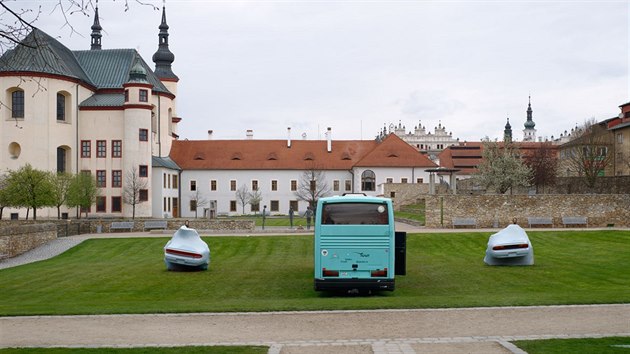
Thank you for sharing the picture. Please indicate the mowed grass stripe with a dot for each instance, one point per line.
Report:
(276, 273)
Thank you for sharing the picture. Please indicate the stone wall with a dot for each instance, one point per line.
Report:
(403, 194)
(499, 210)
(17, 239)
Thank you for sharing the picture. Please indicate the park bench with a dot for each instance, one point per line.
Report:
(155, 224)
(223, 214)
(574, 220)
(121, 225)
(464, 222)
(534, 221)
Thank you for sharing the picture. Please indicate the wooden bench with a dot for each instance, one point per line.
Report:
(155, 224)
(574, 220)
(121, 225)
(533, 221)
(464, 222)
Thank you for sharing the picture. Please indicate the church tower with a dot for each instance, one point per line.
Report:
(529, 133)
(96, 31)
(507, 133)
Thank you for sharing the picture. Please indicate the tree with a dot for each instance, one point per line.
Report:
(242, 195)
(544, 166)
(312, 186)
(588, 154)
(60, 185)
(29, 187)
(82, 192)
(197, 200)
(135, 187)
(501, 168)
(255, 198)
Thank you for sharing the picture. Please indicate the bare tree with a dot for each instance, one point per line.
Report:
(255, 197)
(134, 190)
(4, 197)
(312, 186)
(242, 195)
(197, 200)
(543, 163)
(587, 155)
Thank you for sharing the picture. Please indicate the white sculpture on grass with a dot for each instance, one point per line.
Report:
(186, 251)
(510, 246)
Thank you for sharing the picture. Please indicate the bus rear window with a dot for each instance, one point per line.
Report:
(354, 214)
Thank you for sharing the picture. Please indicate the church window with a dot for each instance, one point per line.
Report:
(116, 204)
(348, 185)
(336, 185)
(101, 148)
(193, 185)
(144, 171)
(126, 95)
(143, 134)
(368, 181)
(143, 195)
(101, 179)
(274, 185)
(233, 185)
(116, 148)
(274, 205)
(17, 104)
(232, 205)
(293, 185)
(144, 96)
(403, 180)
(61, 107)
(213, 185)
(254, 185)
(116, 179)
(86, 148)
(101, 204)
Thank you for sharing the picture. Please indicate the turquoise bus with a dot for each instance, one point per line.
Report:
(355, 244)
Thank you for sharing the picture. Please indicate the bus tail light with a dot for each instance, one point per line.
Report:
(379, 273)
(330, 273)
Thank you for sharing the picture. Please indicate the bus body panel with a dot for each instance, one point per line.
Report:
(354, 244)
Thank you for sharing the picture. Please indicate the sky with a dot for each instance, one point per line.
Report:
(357, 66)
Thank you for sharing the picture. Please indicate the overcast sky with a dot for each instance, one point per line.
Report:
(355, 66)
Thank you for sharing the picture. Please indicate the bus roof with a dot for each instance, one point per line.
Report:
(360, 198)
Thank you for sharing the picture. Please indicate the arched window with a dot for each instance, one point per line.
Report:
(63, 153)
(368, 181)
(17, 104)
(61, 106)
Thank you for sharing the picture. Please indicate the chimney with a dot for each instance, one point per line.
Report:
(249, 134)
(329, 140)
(289, 137)
(210, 134)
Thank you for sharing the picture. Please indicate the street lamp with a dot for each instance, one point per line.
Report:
(264, 213)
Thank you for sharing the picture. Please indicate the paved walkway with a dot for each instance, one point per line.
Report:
(473, 330)
(470, 330)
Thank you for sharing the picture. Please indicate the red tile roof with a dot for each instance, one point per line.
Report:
(303, 154)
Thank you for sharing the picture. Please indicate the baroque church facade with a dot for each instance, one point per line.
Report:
(102, 112)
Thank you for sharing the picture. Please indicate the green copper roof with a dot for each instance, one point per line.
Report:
(109, 68)
(165, 162)
(104, 69)
(104, 100)
(39, 52)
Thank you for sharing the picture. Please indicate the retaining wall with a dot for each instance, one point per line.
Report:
(17, 239)
(499, 210)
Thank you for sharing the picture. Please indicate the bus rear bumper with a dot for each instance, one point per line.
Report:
(324, 284)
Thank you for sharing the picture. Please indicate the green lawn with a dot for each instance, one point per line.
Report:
(148, 350)
(611, 345)
(276, 273)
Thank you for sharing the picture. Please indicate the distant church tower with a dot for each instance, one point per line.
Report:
(529, 133)
(507, 133)
(96, 31)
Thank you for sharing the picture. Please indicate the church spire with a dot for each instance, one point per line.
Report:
(507, 133)
(529, 133)
(96, 31)
(529, 124)
(163, 58)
